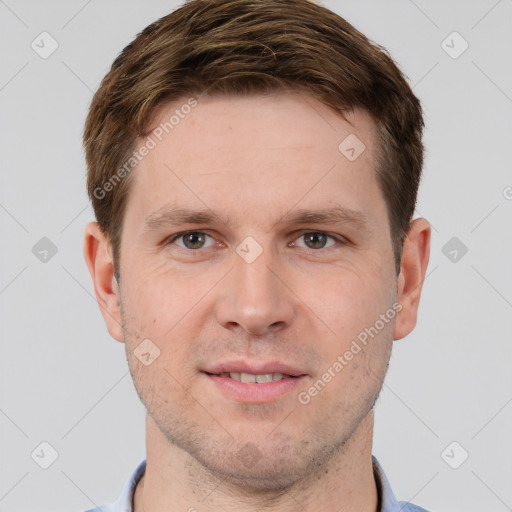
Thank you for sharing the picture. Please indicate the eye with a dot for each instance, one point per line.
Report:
(315, 240)
(193, 240)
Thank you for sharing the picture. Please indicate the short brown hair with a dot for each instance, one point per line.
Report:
(242, 47)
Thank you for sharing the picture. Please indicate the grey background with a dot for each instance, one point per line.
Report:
(63, 380)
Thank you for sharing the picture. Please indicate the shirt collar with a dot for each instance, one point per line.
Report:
(125, 501)
(387, 500)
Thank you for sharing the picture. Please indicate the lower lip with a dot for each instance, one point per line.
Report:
(254, 392)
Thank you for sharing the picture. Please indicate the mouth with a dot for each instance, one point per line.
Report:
(250, 378)
(255, 383)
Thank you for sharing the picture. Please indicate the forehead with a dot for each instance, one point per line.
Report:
(256, 154)
(289, 121)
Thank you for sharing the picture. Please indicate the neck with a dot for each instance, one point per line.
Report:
(175, 481)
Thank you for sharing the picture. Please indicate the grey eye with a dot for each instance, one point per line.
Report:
(193, 240)
(316, 240)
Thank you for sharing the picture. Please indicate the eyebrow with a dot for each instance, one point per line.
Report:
(172, 216)
(329, 216)
(178, 216)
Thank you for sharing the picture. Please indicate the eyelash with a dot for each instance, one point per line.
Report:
(338, 240)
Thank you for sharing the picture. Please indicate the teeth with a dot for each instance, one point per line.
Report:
(247, 377)
(267, 377)
(250, 378)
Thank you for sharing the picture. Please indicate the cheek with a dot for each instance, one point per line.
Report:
(358, 353)
(156, 315)
(158, 298)
(171, 309)
(160, 385)
(351, 300)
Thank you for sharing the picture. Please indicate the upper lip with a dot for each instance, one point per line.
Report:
(255, 368)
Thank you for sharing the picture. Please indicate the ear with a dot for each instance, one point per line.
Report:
(415, 255)
(97, 253)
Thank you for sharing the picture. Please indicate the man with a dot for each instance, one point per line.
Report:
(253, 166)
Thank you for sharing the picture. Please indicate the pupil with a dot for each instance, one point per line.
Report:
(193, 240)
(316, 240)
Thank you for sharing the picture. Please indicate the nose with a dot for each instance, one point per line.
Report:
(254, 297)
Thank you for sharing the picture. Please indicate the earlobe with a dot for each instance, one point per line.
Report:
(97, 254)
(415, 256)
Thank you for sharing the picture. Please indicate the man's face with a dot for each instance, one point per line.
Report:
(261, 287)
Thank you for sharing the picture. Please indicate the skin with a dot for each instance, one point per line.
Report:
(253, 160)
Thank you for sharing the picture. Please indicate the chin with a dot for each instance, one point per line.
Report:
(273, 476)
(270, 465)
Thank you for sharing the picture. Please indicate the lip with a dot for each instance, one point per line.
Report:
(255, 392)
(255, 368)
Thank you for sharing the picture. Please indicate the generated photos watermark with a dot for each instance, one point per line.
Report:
(152, 140)
(363, 338)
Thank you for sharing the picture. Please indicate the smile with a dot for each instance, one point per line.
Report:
(249, 378)
(254, 388)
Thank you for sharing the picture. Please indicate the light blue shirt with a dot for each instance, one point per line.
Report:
(387, 500)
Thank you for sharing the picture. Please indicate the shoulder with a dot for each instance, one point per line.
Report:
(110, 507)
(409, 507)
(387, 500)
(125, 499)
